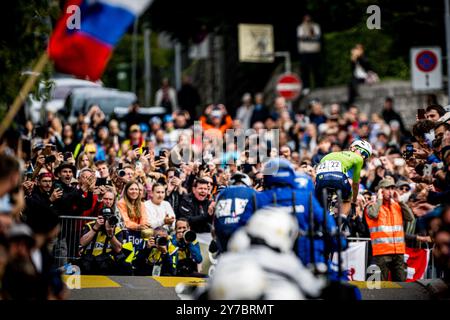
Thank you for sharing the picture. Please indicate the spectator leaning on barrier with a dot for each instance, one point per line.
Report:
(385, 219)
(194, 207)
(132, 208)
(108, 200)
(104, 249)
(159, 212)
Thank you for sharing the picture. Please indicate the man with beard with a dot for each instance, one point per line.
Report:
(72, 201)
(42, 193)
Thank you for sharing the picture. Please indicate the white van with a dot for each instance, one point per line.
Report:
(61, 88)
(109, 100)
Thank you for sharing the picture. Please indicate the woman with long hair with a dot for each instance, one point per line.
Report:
(84, 161)
(132, 208)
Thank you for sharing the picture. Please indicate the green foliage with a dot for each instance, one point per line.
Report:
(378, 50)
(161, 60)
(22, 42)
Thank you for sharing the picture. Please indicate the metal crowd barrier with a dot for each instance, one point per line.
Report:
(356, 239)
(431, 272)
(66, 247)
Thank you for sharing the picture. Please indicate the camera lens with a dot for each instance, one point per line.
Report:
(50, 159)
(113, 220)
(161, 241)
(190, 236)
(121, 173)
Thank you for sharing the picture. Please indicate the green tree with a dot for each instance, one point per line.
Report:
(23, 41)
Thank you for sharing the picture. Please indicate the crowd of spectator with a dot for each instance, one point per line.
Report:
(136, 180)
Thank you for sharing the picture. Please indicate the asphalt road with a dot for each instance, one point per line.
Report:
(163, 288)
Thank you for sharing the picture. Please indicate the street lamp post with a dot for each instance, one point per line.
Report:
(447, 42)
(287, 59)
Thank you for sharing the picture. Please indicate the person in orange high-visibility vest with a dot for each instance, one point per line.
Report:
(385, 219)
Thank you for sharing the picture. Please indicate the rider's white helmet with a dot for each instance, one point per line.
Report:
(276, 226)
(237, 278)
(363, 146)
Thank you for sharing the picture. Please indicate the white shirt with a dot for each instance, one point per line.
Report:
(157, 213)
(36, 257)
(244, 115)
(308, 35)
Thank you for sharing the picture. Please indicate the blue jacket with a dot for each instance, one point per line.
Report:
(234, 207)
(187, 251)
(304, 194)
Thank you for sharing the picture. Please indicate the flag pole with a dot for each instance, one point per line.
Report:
(26, 88)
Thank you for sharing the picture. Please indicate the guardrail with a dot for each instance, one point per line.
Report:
(66, 245)
(66, 248)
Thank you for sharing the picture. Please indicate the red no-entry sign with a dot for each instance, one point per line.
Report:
(289, 86)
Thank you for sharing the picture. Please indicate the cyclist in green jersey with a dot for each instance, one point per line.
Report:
(336, 168)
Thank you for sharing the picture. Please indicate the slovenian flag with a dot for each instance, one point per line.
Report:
(84, 49)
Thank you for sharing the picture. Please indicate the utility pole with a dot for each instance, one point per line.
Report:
(147, 67)
(287, 59)
(177, 65)
(447, 42)
(134, 56)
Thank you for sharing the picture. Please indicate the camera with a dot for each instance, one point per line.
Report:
(109, 216)
(50, 159)
(28, 176)
(419, 169)
(437, 143)
(67, 155)
(177, 173)
(420, 114)
(409, 152)
(189, 236)
(161, 241)
(100, 182)
(120, 171)
(58, 185)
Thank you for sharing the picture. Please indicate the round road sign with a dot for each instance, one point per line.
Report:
(289, 86)
(426, 61)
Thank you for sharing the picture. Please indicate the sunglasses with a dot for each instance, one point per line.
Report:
(404, 188)
(364, 153)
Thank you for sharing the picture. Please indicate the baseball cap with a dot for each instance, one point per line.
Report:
(385, 183)
(216, 114)
(168, 118)
(155, 120)
(106, 211)
(401, 183)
